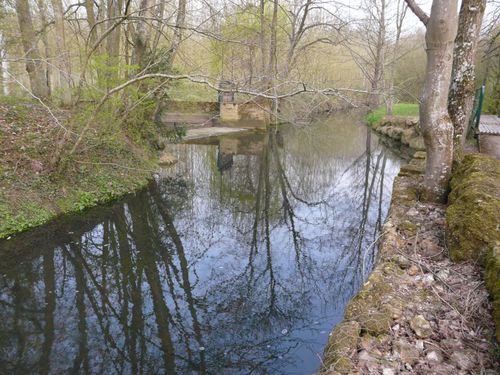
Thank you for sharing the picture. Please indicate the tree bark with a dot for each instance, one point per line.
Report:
(417, 11)
(114, 8)
(435, 122)
(141, 37)
(34, 65)
(461, 97)
(89, 8)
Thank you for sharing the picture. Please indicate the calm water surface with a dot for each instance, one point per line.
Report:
(238, 260)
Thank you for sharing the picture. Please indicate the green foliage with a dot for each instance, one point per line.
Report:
(84, 199)
(93, 186)
(32, 215)
(492, 95)
(107, 73)
(399, 109)
(176, 134)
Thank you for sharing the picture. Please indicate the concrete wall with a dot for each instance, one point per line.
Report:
(251, 114)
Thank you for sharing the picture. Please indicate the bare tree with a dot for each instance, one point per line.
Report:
(63, 61)
(379, 54)
(34, 65)
(461, 98)
(401, 10)
(114, 9)
(42, 9)
(180, 23)
(435, 121)
(367, 46)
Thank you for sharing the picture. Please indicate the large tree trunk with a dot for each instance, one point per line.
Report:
(141, 37)
(461, 98)
(114, 9)
(34, 65)
(63, 62)
(435, 122)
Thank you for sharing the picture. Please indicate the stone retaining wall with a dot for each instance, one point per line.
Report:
(419, 312)
(371, 312)
(402, 129)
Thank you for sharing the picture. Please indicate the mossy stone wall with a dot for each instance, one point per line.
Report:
(402, 129)
(473, 218)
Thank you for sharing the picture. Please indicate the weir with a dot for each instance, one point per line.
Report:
(213, 114)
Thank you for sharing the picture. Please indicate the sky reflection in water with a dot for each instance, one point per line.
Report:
(239, 260)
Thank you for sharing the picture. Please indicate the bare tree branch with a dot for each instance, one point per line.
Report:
(422, 16)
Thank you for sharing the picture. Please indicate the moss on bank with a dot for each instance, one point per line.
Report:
(473, 218)
(18, 216)
(115, 158)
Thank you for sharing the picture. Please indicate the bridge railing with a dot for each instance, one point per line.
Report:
(476, 112)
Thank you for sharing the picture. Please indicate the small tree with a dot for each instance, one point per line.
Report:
(463, 82)
(435, 121)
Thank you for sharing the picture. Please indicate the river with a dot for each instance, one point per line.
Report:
(239, 259)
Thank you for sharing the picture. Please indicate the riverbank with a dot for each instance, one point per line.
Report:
(418, 312)
(113, 160)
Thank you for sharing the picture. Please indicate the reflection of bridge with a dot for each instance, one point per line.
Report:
(230, 145)
(251, 144)
(244, 144)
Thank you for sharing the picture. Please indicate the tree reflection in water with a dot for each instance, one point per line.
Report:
(241, 265)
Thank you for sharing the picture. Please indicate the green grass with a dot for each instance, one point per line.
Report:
(400, 109)
(188, 91)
